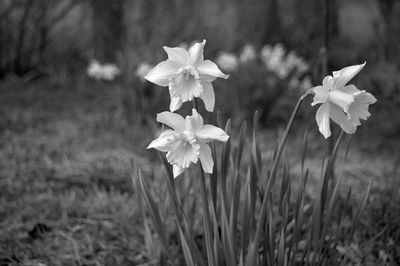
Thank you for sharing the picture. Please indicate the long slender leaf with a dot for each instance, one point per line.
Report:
(227, 240)
(214, 177)
(304, 151)
(235, 205)
(225, 157)
(186, 250)
(207, 221)
(281, 249)
(155, 215)
(245, 236)
(242, 140)
(250, 259)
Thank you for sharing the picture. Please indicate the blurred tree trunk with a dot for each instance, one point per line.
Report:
(387, 10)
(107, 28)
(273, 27)
(19, 62)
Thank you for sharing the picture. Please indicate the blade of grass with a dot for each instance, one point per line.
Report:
(242, 141)
(207, 221)
(186, 250)
(179, 212)
(227, 240)
(304, 151)
(356, 220)
(361, 209)
(155, 215)
(245, 236)
(250, 259)
(225, 157)
(214, 177)
(235, 205)
(281, 249)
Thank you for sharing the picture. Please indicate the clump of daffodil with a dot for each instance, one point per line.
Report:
(187, 75)
(187, 141)
(344, 104)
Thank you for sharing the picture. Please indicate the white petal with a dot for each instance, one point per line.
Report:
(328, 82)
(341, 99)
(177, 170)
(163, 141)
(206, 159)
(186, 89)
(176, 103)
(177, 55)
(322, 118)
(340, 118)
(183, 153)
(196, 52)
(208, 96)
(359, 109)
(208, 70)
(321, 95)
(161, 73)
(172, 120)
(194, 122)
(350, 89)
(210, 132)
(346, 74)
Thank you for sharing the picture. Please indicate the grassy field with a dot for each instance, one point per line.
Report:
(67, 157)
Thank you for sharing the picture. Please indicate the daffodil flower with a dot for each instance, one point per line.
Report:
(187, 75)
(344, 104)
(186, 142)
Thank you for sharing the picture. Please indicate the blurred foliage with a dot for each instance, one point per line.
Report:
(59, 38)
(28, 29)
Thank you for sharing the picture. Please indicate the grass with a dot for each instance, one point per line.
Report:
(66, 198)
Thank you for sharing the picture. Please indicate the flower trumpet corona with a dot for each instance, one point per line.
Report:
(344, 104)
(187, 75)
(187, 141)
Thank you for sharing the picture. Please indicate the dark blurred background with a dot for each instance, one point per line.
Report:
(58, 39)
(39, 34)
(36, 35)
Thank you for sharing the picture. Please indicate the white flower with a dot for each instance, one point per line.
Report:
(294, 62)
(273, 58)
(142, 70)
(94, 69)
(186, 142)
(227, 61)
(265, 52)
(342, 103)
(248, 54)
(187, 75)
(106, 71)
(110, 71)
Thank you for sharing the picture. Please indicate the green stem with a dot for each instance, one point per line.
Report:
(271, 180)
(325, 57)
(207, 221)
(194, 102)
(333, 155)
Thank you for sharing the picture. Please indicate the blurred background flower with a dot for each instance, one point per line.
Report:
(106, 72)
(227, 61)
(142, 70)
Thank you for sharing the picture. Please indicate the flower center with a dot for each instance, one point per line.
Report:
(187, 137)
(186, 84)
(341, 99)
(189, 72)
(184, 150)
